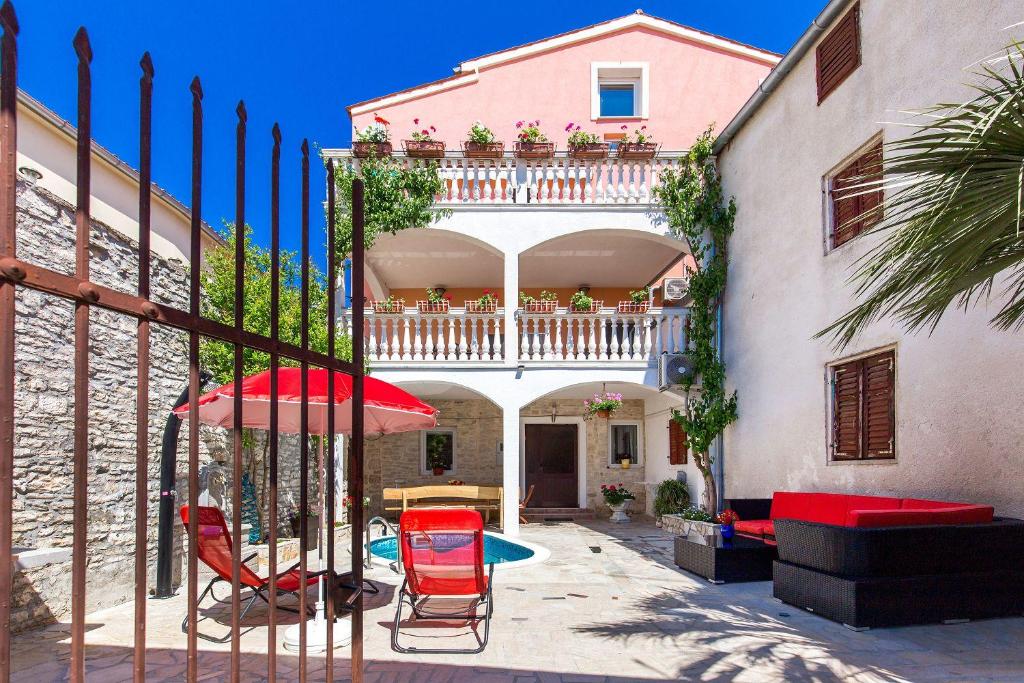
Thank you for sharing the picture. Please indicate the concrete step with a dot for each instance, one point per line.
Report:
(558, 514)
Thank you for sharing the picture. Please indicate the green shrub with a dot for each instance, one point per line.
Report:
(672, 497)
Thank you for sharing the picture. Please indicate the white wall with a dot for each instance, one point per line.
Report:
(657, 412)
(959, 432)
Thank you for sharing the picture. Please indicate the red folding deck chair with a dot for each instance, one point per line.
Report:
(214, 545)
(443, 556)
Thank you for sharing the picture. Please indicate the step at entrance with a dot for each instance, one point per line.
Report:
(535, 515)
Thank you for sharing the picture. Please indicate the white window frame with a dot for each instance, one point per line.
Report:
(423, 448)
(639, 441)
(641, 85)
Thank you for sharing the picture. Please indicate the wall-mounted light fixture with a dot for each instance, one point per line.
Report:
(29, 175)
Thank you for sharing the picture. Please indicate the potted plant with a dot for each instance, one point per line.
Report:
(617, 498)
(672, 497)
(437, 301)
(389, 306)
(581, 302)
(422, 145)
(602, 405)
(637, 145)
(481, 143)
(727, 518)
(487, 303)
(435, 457)
(639, 301)
(532, 143)
(374, 140)
(583, 145)
(699, 521)
(547, 302)
(312, 527)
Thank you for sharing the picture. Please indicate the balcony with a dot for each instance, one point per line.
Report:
(560, 337)
(561, 180)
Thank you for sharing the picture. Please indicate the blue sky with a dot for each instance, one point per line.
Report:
(300, 64)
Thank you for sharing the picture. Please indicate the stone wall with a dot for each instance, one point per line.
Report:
(44, 421)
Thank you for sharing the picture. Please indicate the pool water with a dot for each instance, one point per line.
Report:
(496, 550)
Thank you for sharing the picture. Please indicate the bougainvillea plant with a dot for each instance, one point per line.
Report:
(529, 131)
(424, 134)
(616, 495)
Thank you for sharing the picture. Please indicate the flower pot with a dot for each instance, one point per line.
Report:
(619, 515)
(477, 307)
(637, 150)
(312, 529)
(362, 150)
(433, 306)
(603, 413)
(633, 306)
(535, 150)
(593, 150)
(541, 306)
(438, 471)
(727, 531)
(625, 463)
(424, 149)
(385, 307)
(483, 150)
(595, 307)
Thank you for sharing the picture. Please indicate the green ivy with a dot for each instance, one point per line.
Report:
(699, 214)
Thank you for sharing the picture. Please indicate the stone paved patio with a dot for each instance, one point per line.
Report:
(609, 605)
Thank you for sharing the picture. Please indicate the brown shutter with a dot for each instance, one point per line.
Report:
(677, 445)
(853, 209)
(838, 54)
(879, 405)
(846, 403)
(844, 206)
(869, 168)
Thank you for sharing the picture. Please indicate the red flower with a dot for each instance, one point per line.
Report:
(381, 120)
(447, 297)
(487, 291)
(415, 122)
(612, 487)
(433, 130)
(623, 127)
(519, 124)
(425, 132)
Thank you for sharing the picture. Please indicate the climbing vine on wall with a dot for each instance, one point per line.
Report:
(699, 214)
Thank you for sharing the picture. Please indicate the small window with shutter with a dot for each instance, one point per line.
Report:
(677, 445)
(864, 408)
(838, 53)
(855, 195)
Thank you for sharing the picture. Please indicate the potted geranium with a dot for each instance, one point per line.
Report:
(547, 302)
(532, 143)
(617, 498)
(389, 305)
(422, 145)
(436, 302)
(481, 143)
(727, 518)
(374, 140)
(602, 405)
(487, 303)
(637, 145)
(584, 145)
(581, 302)
(436, 462)
(639, 301)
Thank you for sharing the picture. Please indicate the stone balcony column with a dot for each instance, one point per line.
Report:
(511, 303)
(510, 466)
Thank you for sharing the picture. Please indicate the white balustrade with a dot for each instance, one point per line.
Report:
(411, 336)
(606, 336)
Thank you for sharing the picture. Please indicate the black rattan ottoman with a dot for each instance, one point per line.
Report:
(742, 559)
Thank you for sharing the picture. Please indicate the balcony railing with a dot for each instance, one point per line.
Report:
(459, 337)
(561, 180)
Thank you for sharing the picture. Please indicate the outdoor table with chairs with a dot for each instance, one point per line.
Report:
(483, 499)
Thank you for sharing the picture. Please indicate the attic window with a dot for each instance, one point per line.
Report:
(619, 90)
(838, 54)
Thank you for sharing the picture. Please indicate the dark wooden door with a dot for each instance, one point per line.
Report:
(551, 456)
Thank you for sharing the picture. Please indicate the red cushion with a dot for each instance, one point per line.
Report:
(881, 518)
(858, 503)
(756, 528)
(966, 514)
(824, 508)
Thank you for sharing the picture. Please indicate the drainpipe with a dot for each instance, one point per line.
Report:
(168, 456)
(718, 467)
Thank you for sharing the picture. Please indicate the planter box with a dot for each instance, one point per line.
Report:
(287, 555)
(595, 307)
(362, 150)
(633, 307)
(633, 150)
(483, 150)
(433, 306)
(312, 537)
(386, 308)
(675, 524)
(541, 307)
(477, 307)
(535, 150)
(424, 149)
(594, 150)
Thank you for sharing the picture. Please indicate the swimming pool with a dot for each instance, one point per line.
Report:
(502, 551)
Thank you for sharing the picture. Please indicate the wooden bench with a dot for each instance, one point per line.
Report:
(482, 498)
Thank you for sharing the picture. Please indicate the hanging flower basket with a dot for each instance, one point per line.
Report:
(535, 150)
(633, 306)
(637, 150)
(486, 307)
(483, 150)
(541, 306)
(433, 306)
(424, 149)
(388, 307)
(595, 307)
(362, 150)
(592, 150)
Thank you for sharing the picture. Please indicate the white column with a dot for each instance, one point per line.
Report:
(510, 467)
(511, 302)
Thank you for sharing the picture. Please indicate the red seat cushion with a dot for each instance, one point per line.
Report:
(824, 508)
(862, 503)
(756, 528)
(289, 581)
(952, 513)
(882, 518)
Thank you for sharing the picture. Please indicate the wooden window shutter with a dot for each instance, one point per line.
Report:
(838, 54)
(869, 204)
(846, 427)
(853, 209)
(677, 445)
(879, 414)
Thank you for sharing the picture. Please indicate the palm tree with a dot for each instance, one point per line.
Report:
(953, 193)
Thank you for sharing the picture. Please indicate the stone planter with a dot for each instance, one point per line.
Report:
(483, 150)
(424, 149)
(362, 150)
(678, 526)
(312, 524)
(619, 515)
(287, 555)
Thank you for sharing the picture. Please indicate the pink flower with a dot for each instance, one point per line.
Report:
(425, 131)
(415, 122)
(577, 127)
(623, 127)
(433, 130)
(568, 127)
(643, 127)
(519, 124)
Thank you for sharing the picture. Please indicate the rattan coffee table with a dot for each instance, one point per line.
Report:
(738, 559)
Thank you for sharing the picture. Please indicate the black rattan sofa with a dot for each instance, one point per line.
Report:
(893, 567)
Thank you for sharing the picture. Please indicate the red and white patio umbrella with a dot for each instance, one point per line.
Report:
(386, 408)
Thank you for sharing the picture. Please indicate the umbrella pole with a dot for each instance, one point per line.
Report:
(320, 605)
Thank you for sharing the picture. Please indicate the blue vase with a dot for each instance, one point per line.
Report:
(728, 530)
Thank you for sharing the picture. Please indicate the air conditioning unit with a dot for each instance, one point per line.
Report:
(676, 369)
(675, 288)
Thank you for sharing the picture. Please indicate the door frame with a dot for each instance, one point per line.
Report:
(581, 452)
